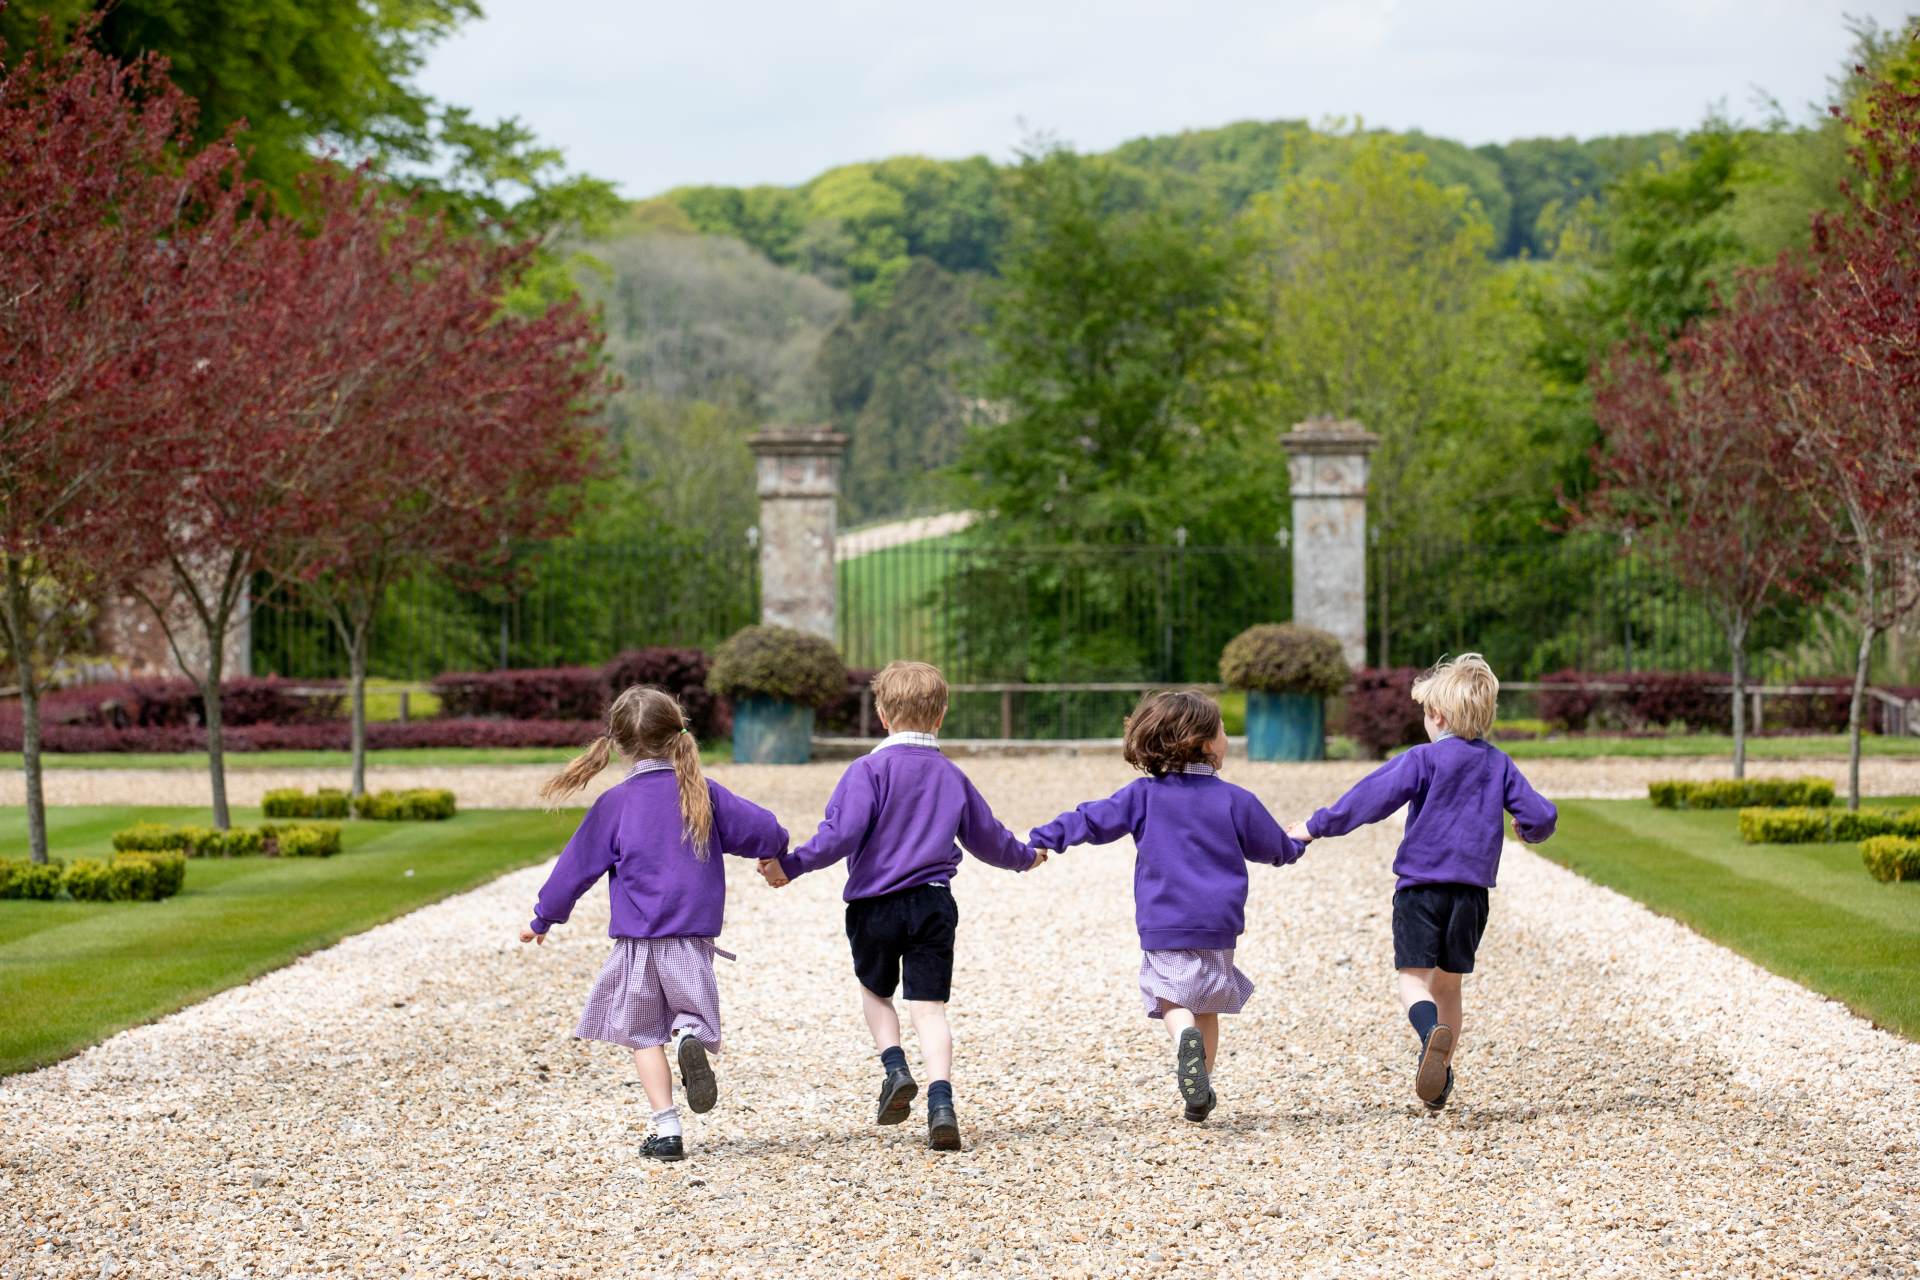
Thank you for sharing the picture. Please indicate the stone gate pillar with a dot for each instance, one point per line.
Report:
(1327, 472)
(799, 482)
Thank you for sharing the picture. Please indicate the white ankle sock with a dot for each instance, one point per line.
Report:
(667, 1123)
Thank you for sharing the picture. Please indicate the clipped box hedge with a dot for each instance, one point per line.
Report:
(134, 877)
(36, 880)
(291, 802)
(1815, 826)
(1740, 793)
(302, 839)
(423, 804)
(1891, 858)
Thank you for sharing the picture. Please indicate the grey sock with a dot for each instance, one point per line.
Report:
(667, 1123)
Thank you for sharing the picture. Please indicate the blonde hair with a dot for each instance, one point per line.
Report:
(1463, 691)
(911, 695)
(646, 724)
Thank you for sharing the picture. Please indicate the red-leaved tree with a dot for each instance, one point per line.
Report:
(1847, 373)
(109, 243)
(457, 426)
(1688, 460)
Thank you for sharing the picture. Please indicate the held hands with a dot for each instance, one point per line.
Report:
(770, 872)
(1039, 856)
(528, 935)
(1298, 831)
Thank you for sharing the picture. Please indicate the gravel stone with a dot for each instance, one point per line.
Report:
(1632, 1101)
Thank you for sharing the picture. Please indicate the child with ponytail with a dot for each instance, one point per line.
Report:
(655, 833)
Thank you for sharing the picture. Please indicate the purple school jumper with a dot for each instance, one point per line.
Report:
(1455, 790)
(895, 817)
(668, 905)
(1195, 833)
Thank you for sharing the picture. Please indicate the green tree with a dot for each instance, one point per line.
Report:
(1111, 356)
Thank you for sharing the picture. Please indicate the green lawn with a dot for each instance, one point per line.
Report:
(426, 757)
(1679, 746)
(888, 596)
(1808, 912)
(73, 973)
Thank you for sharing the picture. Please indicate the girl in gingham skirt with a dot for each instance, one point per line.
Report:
(655, 834)
(1194, 833)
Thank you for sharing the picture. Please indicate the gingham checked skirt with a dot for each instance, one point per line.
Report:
(651, 988)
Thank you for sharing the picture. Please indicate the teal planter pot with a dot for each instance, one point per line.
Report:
(770, 732)
(1286, 726)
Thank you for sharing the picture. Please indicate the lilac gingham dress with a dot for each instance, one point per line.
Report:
(651, 988)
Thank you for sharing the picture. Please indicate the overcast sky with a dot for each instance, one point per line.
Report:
(654, 95)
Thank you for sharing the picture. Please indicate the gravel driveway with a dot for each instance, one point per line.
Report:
(1632, 1101)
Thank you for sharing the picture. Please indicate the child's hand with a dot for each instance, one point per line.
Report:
(1039, 856)
(538, 939)
(1298, 831)
(1515, 824)
(770, 872)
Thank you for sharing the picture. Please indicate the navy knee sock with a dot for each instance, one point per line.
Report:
(894, 1059)
(1423, 1015)
(940, 1091)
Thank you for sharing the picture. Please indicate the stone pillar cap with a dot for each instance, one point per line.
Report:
(1329, 435)
(777, 440)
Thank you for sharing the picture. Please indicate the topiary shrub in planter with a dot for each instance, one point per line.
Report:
(776, 678)
(1288, 673)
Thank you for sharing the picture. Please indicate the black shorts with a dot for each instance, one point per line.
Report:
(1438, 926)
(910, 931)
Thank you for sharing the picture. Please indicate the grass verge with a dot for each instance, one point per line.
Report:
(74, 973)
(1807, 912)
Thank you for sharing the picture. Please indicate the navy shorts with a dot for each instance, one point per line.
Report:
(906, 934)
(1438, 926)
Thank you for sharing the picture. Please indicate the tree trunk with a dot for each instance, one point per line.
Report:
(216, 744)
(1854, 716)
(1737, 641)
(357, 681)
(19, 615)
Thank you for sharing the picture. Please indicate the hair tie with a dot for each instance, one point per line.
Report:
(685, 730)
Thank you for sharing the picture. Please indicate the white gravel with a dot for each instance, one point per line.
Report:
(1633, 1100)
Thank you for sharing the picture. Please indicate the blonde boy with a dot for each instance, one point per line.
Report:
(1456, 788)
(895, 818)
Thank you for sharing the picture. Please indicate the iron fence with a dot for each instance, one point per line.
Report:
(577, 602)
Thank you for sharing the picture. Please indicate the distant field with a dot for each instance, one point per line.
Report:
(887, 602)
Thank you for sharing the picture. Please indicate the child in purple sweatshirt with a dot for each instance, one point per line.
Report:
(1456, 789)
(895, 817)
(1194, 833)
(656, 832)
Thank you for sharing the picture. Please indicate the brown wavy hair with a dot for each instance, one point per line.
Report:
(646, 723)
(1171, 729)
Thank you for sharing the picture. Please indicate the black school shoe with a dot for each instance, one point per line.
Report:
(1441, 1101)
(1434, 1077)
(668, 1150)
(1190, 1067)
(696, 1077)
(897, 1093)
(943, 1127)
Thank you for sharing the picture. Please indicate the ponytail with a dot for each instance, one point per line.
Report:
(696, 802)
(584, 769)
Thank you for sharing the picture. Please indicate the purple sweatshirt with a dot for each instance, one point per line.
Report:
(1455, 791)
(1195, 834)
(660, 888)
(895, 817)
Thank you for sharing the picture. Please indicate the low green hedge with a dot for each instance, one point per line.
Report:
(291, 802)
(303, 839)
(1739, 793)
(130, 877)
(170, 870)
(1816, 826)
(1890, 858)
(423, 804)
(37, 880)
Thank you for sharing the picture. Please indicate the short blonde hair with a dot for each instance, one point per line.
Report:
(911, 695)
(1463, 691)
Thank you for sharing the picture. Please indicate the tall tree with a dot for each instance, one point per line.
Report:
(111, 247)
(461, 425)
(1689, 460)
(1110, 336)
